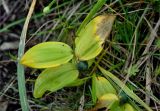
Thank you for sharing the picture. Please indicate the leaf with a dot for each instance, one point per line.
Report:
(78, 82)
(117, 108)
(158, 43)
(53, 79)
(93, 91)
(107, 100)
(128, 107)
(101, 86)
(90, 62)
(124, 88)
(132, 70)
(92, 36)
(47, 54)
(157, 70)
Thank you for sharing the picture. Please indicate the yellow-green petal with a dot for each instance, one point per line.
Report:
(47, 54)
(92, 36)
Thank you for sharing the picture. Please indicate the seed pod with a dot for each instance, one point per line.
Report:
(82, 65)
(123, 98)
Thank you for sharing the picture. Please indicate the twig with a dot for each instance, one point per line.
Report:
(148, 81)
(5, 6)
(151, 37)
(9, 85)
(74, 9)
(135, 32)
(134, 46)
(38, 30)
(20, 68)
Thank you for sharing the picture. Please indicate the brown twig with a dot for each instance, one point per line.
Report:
(148, 80)
(151, 37)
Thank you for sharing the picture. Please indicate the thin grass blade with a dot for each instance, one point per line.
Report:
(20, 68)
(124, 88)
(94, 10)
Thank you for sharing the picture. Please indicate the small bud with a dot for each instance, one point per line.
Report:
(46, 10)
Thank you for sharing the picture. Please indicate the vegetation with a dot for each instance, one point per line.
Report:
(87, 55)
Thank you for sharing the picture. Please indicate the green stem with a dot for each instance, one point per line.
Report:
(50, 4)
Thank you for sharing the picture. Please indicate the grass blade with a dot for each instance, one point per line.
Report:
(20, 68)
(124, 88)
(96, 7)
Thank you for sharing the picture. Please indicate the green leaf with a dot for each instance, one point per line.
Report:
(93, 91)
(107, 100)
(47, 54)
(128, 107)
(117, 108)
(132, 70)
(92, 36)
(101, 86)
(124, 88)
(78, 82)
(53, 79)
(158, 43)
(90, 62)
